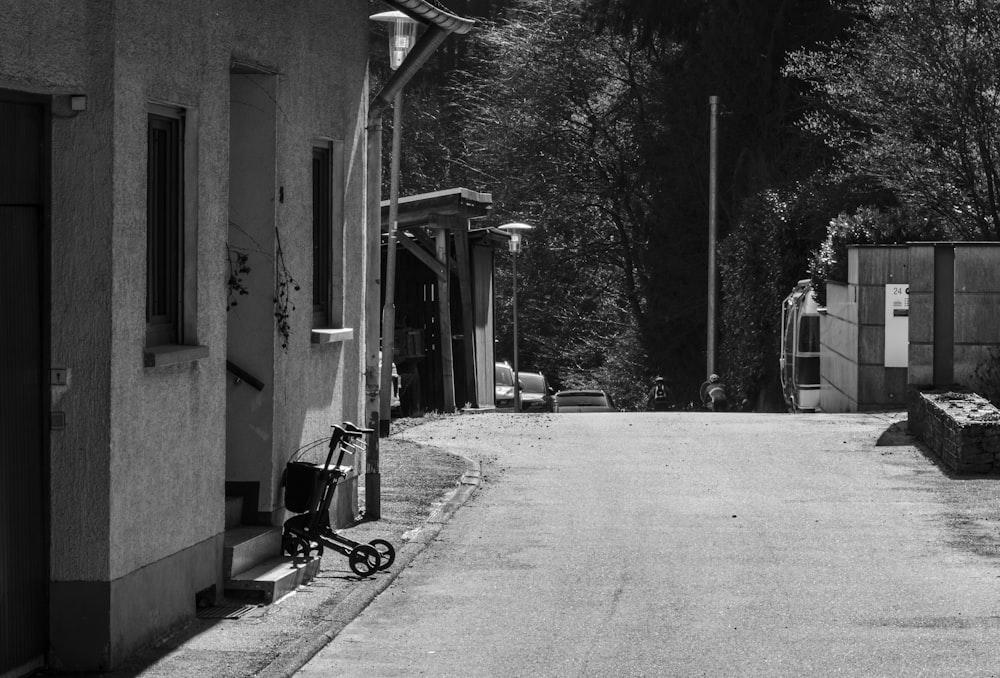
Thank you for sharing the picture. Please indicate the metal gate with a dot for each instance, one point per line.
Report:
(23, 571)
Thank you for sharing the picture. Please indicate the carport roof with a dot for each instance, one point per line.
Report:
(419, 210)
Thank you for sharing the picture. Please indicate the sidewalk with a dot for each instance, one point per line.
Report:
(421, 489)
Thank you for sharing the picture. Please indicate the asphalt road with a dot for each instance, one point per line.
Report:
(692, 544)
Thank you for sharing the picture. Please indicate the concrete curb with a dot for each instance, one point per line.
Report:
(346, 610)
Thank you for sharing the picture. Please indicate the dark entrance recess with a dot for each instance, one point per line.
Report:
(23, 339)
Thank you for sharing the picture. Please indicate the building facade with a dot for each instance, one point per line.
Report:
(168, 171)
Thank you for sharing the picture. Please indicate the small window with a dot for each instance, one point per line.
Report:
(164, 228)
(809, 334)
(322, 199)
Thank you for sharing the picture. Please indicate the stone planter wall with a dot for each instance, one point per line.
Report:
(963, 429)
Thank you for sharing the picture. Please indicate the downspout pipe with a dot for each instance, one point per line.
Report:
(440, 25)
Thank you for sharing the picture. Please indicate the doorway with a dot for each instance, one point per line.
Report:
(250, 321)
(23, 358)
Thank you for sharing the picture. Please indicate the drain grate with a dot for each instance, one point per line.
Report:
(225, 611)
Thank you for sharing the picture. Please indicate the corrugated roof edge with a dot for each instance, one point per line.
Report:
(423, 11)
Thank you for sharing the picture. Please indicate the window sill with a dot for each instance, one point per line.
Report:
(332, 335)
(172, 354)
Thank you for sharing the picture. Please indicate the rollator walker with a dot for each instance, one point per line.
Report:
(309, 491)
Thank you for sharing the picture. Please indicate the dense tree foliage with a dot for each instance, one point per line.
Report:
(556, 121)
(841, 121)
(734, 49)
(911, 98)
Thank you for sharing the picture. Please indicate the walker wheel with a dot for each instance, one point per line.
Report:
(364, 560)
(298, 547)
(290, 544)
(385, 551)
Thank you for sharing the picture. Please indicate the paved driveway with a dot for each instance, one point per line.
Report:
(692, 544)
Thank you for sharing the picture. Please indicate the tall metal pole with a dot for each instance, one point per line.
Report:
(373, 481)
(713, 102)
(515, 230)
(389, 305)
(517, 379)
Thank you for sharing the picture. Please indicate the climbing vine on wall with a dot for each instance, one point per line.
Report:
(284, 285)
(238, 270)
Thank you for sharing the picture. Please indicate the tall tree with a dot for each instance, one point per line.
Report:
(556, 124)
(912, 99)
(591, 121)
(735, 49)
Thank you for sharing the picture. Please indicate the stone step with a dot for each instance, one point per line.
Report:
(247, 545)
(234, 511)
(274, 578)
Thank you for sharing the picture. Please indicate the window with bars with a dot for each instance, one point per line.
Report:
(322, 199)
(164, 227)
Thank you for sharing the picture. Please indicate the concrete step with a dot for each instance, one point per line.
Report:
(247, 545)
(274, 578)
(234, 511)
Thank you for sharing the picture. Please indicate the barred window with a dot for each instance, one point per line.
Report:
(164, 228)
(322, 199)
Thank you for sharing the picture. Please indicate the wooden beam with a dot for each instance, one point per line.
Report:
(464, 266)
(444, 323)
(421, 236)
(425, 257)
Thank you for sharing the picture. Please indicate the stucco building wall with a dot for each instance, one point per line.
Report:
(137, 477)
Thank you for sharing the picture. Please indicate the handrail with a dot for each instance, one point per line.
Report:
(242, 375)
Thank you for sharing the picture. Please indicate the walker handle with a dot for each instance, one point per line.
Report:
(351, 429)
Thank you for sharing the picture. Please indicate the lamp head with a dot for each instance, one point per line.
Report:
(402, 35)
(515, 230)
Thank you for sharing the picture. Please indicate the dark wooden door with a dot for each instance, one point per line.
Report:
(23, 572)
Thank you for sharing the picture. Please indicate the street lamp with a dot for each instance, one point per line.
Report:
(515, 230)
(402, 36)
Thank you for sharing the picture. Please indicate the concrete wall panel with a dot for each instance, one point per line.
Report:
(852, 265)
(838, 350)
(871, 345)
(895, 386)
(977, 318)
(871, 304)
(879, 265)
(832, 399)
(968, 359)
(840, 375)
(921, 268)
(976, 268)
(921, 324)
(921, 367)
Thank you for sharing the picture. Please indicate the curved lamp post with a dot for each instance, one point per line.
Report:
(402, 36)
(515, 230)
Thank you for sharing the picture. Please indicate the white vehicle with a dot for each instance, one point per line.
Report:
(503, 387)
(800, 376)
